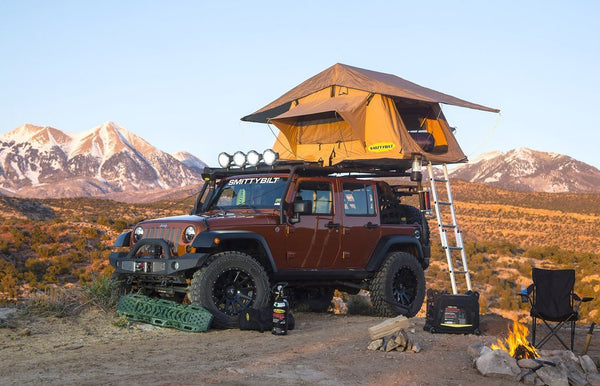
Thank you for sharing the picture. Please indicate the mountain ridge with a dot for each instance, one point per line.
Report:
(524, 169)
(42, 162)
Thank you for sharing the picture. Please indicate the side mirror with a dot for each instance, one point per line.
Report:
(302, 207)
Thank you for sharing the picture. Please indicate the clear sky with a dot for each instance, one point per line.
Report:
(181, 74)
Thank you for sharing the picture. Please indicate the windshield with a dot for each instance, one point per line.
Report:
(250, 192)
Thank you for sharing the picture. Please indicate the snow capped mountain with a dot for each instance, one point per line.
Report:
(46, 162)
(190, 160)
(529, 170)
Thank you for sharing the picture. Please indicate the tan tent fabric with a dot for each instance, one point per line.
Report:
(358, 120)
(349, 126)
(359, 79)
(389, 141)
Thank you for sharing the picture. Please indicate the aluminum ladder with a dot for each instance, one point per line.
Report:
(443, 228)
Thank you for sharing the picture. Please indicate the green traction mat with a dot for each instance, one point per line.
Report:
(164, 313)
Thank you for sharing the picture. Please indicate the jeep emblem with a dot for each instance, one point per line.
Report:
(163, 225)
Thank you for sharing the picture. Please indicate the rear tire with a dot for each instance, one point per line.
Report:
(398, 288)
(229, 284)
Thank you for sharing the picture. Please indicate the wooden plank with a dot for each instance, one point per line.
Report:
(388, 327)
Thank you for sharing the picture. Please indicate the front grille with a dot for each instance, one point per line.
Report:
(171, 235)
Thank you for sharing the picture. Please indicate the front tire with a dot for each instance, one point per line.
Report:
(398, 288)
(230, 283)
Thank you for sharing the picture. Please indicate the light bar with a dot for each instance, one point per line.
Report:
(252, 158)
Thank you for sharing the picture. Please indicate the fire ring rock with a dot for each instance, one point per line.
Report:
(498, 363)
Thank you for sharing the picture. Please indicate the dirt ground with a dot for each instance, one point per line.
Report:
(324, 349)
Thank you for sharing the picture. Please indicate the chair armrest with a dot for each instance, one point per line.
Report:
(585, 299)
(530, 289)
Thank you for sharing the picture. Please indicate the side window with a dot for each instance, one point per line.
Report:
(319, 193)
(359, 199)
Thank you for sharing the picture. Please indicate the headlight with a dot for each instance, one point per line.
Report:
(190, 233)
(138, 233)
(253, 158)
(417, 234)
(239, 158)
(269, 156)
(224, 160)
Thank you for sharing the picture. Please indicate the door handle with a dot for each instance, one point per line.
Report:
(332, 225)
(370, 225)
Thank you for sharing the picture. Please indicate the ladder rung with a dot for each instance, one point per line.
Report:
(444, 203)
(463, 272)
(440, 180)
(448, 226)
(455, 248)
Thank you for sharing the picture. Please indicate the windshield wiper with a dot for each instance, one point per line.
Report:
(246, 206)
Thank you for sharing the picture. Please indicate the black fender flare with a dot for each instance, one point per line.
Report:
(387, 243)
(207, 241)
(124, 240)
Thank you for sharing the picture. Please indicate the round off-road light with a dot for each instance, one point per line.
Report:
(417, 234)
(190, 233)
(253, 158)
(239, 158)
(138, 233)
(224, 160)
(269, 156)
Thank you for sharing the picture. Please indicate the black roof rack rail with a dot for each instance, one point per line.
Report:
(366, 169)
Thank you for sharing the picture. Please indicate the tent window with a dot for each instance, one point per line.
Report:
(424, 126)
(328, 116)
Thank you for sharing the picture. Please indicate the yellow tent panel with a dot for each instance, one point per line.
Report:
(347, 114)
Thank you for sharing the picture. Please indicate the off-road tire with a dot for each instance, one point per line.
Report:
(398, 288)
(230, 283)
(316, 299)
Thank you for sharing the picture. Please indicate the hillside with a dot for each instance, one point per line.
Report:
(46, 242)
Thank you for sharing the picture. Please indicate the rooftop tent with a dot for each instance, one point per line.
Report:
(348, 114)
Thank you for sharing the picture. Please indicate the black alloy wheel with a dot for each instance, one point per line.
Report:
(398, 288)
(228, 284)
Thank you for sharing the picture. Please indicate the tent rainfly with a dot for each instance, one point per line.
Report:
(347, 114)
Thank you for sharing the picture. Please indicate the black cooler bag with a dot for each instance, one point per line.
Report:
(447, 313)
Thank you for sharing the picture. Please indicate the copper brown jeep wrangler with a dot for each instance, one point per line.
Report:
(317, 228)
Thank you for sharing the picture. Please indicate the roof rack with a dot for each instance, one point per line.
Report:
(365, 169)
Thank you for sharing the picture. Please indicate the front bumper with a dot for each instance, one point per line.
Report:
(131, 263)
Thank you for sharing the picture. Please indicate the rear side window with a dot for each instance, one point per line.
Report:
(359, 199)
(319, 193)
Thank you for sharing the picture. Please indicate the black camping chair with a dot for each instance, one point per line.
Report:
(552, 300)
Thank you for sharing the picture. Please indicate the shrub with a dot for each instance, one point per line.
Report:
(360, 304)
(102, 292)
(59, 302)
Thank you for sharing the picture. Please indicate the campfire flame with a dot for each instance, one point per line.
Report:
(516, 343)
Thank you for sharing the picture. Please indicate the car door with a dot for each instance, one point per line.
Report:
(360, 224)
(314, 240)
